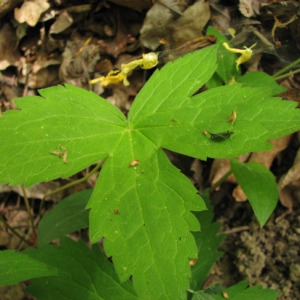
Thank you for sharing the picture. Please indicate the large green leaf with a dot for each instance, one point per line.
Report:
(63, 119)
(145, 219)
(83, 274)
(141, 204)
(259, 118)
(169, 89)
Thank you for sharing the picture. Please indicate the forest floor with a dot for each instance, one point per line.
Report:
(43, 43)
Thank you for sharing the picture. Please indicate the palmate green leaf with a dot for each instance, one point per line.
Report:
(259, 119)
(145, 209)
(83, 274)
(67, 216)
(169, 88)
(66, 119)
(141, 204)
(260, 187)
(145, 218)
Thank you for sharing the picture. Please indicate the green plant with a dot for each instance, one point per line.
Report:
(141, 205)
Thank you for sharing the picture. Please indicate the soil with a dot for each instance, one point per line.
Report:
(267, 256)
(72, 41)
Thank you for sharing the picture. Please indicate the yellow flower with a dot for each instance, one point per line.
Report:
(148, 61)
(246, 53)
(113, 77)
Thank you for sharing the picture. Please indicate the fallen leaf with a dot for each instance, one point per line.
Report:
(31, 11)
(265, 158)
(78, 61)
(63, 21)
(190, 24)
(156, 25)
(7, 5)
(249, 8)
(9, 55)
(44, 77)
(289, 185)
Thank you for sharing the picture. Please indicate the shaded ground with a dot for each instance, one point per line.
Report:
(44, 43)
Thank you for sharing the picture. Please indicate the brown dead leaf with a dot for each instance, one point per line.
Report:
(220, 167)
(123, 40)
(265, 158)
(156, 25)
(249, 8)
(9, 55)
(7, 5)
(174, 23)
(63, 21)
(289, 185)
(30, 11)
(239, 195)
(78, 60)
(44, 78)
(190, 24)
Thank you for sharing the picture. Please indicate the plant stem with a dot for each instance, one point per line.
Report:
(287, 68)
(14, 231)
(221, 180)
(97, 167)
(286, 75)
(28, 208)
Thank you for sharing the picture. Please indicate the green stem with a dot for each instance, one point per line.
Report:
(220, 181)
(287, 68)
(97, 167)
(286, 75)
(28, 208)
(16, 233)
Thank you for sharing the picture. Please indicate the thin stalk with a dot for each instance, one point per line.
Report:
(97, 167)
(220, 181)
(22, 238)
(286, 69)
(286, 75)
(28, 209)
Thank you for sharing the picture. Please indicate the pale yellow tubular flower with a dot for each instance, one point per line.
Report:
(113, 77)
(126, 69)
(148, 61)
(246, 53)
(232, 32)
